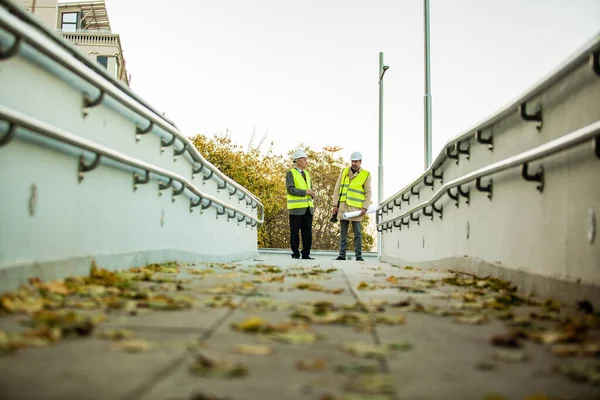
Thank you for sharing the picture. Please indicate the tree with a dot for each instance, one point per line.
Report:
(264, 176)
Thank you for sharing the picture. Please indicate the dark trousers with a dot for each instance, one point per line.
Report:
(344, 224)
(302, 223)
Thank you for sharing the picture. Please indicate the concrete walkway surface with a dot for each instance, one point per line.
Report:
(277, 328)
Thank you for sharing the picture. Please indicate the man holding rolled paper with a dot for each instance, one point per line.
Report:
(352, 194)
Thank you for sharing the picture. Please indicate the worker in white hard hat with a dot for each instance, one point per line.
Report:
(352, 192)
(300, 206)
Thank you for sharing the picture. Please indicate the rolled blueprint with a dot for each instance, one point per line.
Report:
(353, 214)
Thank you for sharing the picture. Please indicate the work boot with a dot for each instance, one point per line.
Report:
(340, 258)
(359, 258)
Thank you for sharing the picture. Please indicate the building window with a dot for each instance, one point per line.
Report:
(69, 22)
(102, 60)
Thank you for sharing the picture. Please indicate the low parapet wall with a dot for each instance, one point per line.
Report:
(91, 172)
(517, 196)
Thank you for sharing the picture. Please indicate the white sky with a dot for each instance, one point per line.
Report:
(307, 71)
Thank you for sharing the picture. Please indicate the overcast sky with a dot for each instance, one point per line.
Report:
(307, 71)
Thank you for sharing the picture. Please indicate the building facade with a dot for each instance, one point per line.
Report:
(85, 24)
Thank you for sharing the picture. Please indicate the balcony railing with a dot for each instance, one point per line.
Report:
(92, 38)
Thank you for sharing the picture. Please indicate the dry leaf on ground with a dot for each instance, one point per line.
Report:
(366, 350)
(117, 334)
(204, 366)
(295, 337)
(134, 345)
(371, 384)
(311, 365)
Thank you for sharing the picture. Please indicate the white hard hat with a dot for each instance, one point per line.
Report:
(356, 156)
(299, 154)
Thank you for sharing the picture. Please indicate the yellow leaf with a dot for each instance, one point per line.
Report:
(133, 346)
(117, 334)
(311, 365)
(371, 384)
(252, 324)
(366, 350)
(295, 337)
(204, 366)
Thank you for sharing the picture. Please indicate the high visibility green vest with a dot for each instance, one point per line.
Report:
(300, 183)
(351, 191)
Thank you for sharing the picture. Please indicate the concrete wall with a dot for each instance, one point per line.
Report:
(53, 225)
(537, 240)
(95, 44)
(46, 11)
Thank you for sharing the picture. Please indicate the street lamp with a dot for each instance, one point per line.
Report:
(382, 70)
(427, 117)
(332, 149)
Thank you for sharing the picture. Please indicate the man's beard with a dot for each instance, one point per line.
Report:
(354, 169)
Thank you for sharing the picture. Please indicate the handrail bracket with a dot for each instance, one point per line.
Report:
(83, 167)
(536, 116)
(537, 177)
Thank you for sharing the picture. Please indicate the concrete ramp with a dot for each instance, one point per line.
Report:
(277, 328)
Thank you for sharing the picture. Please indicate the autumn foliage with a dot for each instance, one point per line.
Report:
(263, 174)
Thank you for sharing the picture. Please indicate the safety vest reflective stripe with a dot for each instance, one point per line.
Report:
(300, 201)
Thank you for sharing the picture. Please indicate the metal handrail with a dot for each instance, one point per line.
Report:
(102, 81)
(18, 119)
(562, 143)
(579, 57)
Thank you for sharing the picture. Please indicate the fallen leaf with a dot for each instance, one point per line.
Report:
(253, 324)
(371, 384)
(573, 349)
(117, 334)
(311, 365)
(295, 337)
(389, 320)
(549, 336)
(133, 345)
(471, 319)
(253, 349)
(510, 339)
(401, 346)
(365, 350)
(204, 366)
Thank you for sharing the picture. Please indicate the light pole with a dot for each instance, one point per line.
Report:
(332, 149)
(427, 133)
(382, 69)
